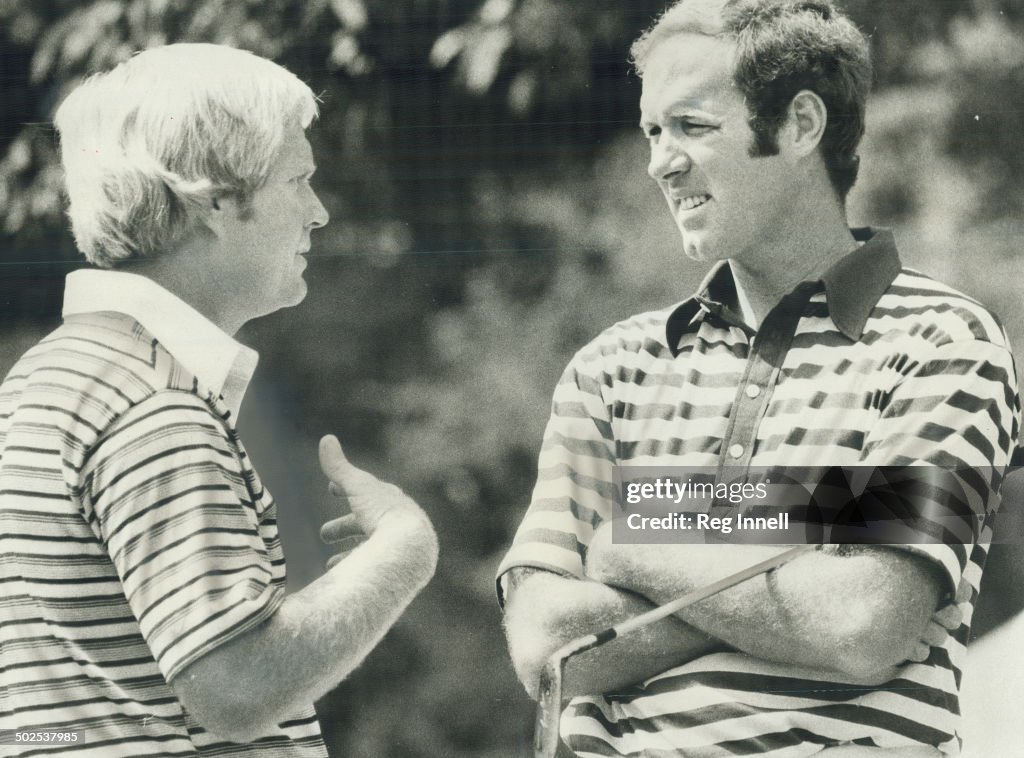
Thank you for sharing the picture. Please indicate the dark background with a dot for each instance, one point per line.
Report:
(490, 213)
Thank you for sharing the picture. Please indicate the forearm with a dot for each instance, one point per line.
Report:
(315, 639)
(546, 611)
(858, 615)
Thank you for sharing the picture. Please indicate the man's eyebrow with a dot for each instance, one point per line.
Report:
(690, 105)
(694, 102)
(694, 105)
(681, 110)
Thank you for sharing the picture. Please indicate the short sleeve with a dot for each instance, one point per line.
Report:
(169, 493)
(957, 410)
(575, 484)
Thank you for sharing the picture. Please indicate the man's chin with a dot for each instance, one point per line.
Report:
(694, 250)
(295, 294)
(300, 293)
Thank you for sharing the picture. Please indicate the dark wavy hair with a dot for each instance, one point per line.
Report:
(783, 47)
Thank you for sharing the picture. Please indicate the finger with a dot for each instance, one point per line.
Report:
(346, 478)
(964, 591)
(934, 634)
(338, 529)
(920, 653)
(949, 616)
(333, 462)
(348, 544)
(334, 560)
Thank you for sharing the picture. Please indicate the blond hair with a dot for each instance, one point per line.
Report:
(147, 146)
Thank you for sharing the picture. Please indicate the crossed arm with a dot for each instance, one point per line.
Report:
(842, 616)
(849, 615)
(855, 611)
(546, 610)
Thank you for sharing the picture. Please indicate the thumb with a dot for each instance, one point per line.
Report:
(344, 477)
(333, 462)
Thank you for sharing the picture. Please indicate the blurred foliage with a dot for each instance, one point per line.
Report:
(490, 214)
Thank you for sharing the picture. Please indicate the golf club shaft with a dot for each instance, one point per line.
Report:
(549, 703)
(666, 610)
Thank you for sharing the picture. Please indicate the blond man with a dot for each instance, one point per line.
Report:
(144, 607)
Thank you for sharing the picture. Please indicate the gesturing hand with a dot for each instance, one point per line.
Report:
(377, 508)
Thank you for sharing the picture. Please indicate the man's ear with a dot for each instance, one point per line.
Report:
(216, 213)
(805, 122)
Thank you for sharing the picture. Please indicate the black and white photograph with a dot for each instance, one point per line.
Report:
(511, 378)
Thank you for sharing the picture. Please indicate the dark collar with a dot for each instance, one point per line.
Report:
(852, 288)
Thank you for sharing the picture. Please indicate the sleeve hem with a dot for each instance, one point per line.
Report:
(233, 630)
(506, 567)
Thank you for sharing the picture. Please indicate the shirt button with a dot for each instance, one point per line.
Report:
(736, 451)
(753, 390)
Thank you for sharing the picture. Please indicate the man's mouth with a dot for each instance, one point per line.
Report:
(693, 201)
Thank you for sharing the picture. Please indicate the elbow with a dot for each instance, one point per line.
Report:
(235, 714)
(875, 631)
(529, 677)
(236, 723)
(542, 614)
(529, 653)
(871, 653)
(530, 644)
(862, 666)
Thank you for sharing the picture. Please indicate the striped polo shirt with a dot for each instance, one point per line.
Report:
(874, 365)
(135, 536)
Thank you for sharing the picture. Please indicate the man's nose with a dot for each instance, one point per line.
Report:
(667, 158)
(319, 215)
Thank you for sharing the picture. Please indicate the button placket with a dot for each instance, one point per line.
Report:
(767, 352)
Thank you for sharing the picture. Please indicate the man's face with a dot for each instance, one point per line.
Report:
(268, 238)
(725, 203)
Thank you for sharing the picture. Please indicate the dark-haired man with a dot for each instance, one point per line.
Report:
(808, 343)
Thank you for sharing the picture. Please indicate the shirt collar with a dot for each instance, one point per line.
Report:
(853, 286)
(212, 356)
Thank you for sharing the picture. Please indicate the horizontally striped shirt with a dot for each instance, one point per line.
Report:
(135, 536)
(872, 366)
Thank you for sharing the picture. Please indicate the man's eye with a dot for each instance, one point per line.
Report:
(693, 127)
(652, 131)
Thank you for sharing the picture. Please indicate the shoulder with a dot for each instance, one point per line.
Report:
(921, 305)
(637, 339)
(103, 347)
(85, 376)
(169, 431)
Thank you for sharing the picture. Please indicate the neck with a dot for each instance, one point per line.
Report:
(186, 273)
(802, 254)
